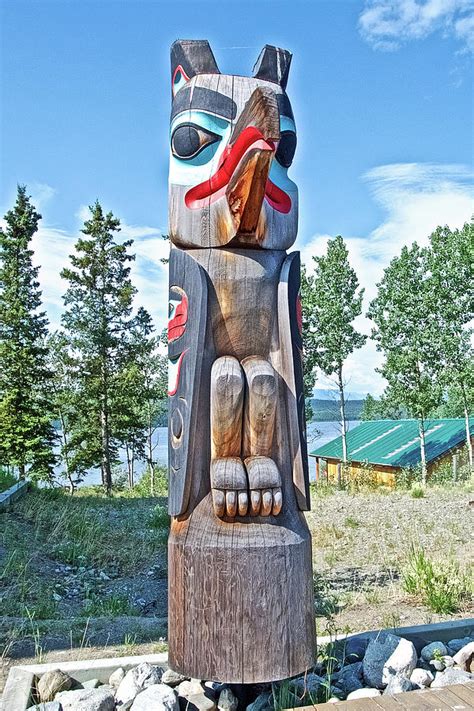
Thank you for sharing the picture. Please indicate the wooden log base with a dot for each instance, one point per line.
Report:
(240, 596)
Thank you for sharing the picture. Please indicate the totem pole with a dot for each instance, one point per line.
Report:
(240, 574)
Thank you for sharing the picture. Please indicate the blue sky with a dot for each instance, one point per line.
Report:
(381, 92)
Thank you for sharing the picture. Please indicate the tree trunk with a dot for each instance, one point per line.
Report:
(343, 415)
(105, 465)
(468, 431)
(151, 466)
(65, 453)
(421, 429)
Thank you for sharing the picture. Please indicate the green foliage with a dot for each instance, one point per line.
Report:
(7, 479)
(109, 606)
(381, 409)
(26, 432)
(159, 518)
(417, 491)
(331, 300)
(442, 586)
(107, 345)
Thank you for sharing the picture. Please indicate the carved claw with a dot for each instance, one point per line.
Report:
(229, 487)
(264, 485)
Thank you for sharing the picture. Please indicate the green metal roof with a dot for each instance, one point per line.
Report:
(395, 442)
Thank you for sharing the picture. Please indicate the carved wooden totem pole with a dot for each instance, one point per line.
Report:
(240, 574)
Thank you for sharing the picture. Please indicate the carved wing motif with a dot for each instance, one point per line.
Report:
(291, 344)
(186, 336)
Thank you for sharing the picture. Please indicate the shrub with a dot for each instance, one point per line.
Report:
(6, 479)
(442, 586)
(417, 491)
(159, 518)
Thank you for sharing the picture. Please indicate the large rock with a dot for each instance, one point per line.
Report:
(397, 685)
(308, 684)
(433, 650)
(363, 694)
(137, 680)
(228, 701)
(386, 655)
(263, 702)
(172, 678)
(190, 688)
(87, 700)
(464, 657)
(200, 702)
(421, 678)
(349, 678)
(116, 677)
(157, 697)
(52, 682)
(46, 706)
(454, 645)
(450, 676)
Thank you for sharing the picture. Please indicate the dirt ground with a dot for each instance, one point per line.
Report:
(94, 584)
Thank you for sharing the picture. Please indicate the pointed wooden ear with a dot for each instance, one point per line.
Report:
(273, 65)
(188, 58)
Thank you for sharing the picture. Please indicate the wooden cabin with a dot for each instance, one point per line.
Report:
(378, 450)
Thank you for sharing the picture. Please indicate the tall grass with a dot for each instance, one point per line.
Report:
(442, 585)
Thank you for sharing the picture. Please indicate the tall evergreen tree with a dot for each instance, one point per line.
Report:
(405, 331)
(97, 321)
(26, 433)
(332, 300)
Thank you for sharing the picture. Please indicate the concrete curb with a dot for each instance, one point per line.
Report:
(17, 692)
(12, 494)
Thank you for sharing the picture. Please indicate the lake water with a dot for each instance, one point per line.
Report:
(318, 434)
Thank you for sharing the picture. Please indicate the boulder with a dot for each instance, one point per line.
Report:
(450, 676)
(87, 700)
(438, 664)
(172, 678)
(421, 678)
(52, 682)
(308, 684)
(200, 702)
(91, 684)
(397, 684)
(116, 677)
(190, 688)
(463, 658)
(366, 693)
(385, 656)
(46, 706)
(454, 645)
(227, 700)
(263, 702)
(349, 678)
(157, 697)
(433, 650)
(137, 680)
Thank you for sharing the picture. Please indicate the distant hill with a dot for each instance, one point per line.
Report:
(328, 410)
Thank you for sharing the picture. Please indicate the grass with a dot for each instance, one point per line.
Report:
(442, 585)
(417, 491)
(6, 480)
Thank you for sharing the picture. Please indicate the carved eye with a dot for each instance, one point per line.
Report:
(188, 140)
(286, 148)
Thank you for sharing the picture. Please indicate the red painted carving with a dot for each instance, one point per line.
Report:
(177, 325)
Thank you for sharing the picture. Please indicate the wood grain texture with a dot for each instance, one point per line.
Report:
(261, 398)
(227, 399)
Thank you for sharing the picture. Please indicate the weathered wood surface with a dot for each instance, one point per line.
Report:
(459, 697)
(240, 575)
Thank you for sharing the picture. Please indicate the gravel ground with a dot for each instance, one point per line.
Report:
(360, 546)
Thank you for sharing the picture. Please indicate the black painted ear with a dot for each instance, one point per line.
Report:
(273, 65)
(191, 57)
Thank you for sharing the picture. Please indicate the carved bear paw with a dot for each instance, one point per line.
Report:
(235, 491)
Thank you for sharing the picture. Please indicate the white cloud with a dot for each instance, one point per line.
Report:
(387, 24)
(41, 194)
(417, 197)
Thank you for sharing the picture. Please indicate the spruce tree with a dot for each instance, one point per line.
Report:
(97, 321)
(26, 432)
